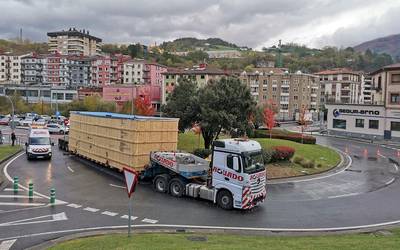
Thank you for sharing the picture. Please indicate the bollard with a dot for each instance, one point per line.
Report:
(30, 192)
(15, 187)
(52, 196)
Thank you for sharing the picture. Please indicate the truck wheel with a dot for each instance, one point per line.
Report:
(161, 183)
(225, 199)
(177, 187)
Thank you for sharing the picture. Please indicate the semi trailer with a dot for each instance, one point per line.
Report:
(234, 178)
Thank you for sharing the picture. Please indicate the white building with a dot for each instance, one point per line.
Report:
(10, 69)
(133, 71)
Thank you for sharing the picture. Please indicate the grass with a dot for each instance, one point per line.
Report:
(189, 141)
(223, 241)
(328, 158)
(6, 151)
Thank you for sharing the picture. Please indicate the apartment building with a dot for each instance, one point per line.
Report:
(10, 68)
(201, 74)
(134, 71)
(74, 42)
(153, 73)
(55, 69)
(291, 92)
(79, 71)
(340, 86)
(366, 89)
(32, 69)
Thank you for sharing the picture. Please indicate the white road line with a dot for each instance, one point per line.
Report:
(34, 220)
(74, 205)
(5, 245)
(260, 229)
(12, 190)
(19, 196)
(127, 217)
(58, 202)
(91, 209)
(21, 204)
(390, 182)
(396, 168)
(149, 221)
(70, 169)
(343, 195)
(109, 213)
(112, 185)
(381, 155)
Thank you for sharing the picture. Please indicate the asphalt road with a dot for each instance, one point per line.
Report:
(365, 193)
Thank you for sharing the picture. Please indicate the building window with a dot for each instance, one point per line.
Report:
(359, 123)
(374, 124)
(395, 126)
(338, 123)
(202, 77)
(394, 98)
(69, 96)
(396, 78)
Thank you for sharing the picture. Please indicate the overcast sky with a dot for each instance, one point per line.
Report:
(253, 23)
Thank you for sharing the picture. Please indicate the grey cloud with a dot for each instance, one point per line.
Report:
(250, 23)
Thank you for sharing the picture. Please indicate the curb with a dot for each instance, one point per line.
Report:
(138, 231)
(345, 162)
(2, 182)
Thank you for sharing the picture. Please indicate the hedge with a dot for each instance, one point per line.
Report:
(278, 134)
(282, 153)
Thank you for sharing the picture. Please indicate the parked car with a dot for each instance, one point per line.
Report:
(17, 121)
(27, 122)
(55, 128)
(4, 121)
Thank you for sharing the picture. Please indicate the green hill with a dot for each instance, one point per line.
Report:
(191, 43)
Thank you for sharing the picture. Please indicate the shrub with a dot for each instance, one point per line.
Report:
(284, 135)
(308, 164)
(282, 153)
(267, 155)
(202, 152)
(319, 165)
(298, 160)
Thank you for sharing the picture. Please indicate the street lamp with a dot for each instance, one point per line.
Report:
(12, 116)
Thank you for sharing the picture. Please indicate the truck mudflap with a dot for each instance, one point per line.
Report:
(250, 200)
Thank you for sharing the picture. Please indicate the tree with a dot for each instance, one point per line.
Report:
(143, 106)
(224, 104)
(269, 116)
(303, 121)
(182, 103)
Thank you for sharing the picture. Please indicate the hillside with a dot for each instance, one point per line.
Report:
(389, 45)
(190, 44)
(22, 48)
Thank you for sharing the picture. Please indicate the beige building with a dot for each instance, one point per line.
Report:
(10, 68)
(340, 86)
(133, 71)
(74, 42)
(386, 86)
(290, 92)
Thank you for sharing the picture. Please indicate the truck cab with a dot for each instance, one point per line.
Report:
(238, 173)
(39, 143)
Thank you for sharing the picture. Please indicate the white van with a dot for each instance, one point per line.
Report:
(39, 144)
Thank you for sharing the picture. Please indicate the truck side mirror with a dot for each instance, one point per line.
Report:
(236, 164)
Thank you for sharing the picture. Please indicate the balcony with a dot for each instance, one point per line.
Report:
(285, 94)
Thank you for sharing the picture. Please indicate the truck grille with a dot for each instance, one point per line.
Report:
(257, 186)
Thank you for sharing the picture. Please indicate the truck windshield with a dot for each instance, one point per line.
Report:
(39, 141)
(253, 162)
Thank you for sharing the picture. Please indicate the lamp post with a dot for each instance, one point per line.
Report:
(13, 113)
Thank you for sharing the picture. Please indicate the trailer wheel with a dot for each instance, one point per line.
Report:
(225, 199)
(177, 187)
(161, 183)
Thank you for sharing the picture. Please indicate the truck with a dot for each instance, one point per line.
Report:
(234, 178)
(39, 144)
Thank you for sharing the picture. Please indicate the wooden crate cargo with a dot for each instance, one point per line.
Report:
(119, 140)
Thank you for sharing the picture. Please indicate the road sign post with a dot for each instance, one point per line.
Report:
(131, 179)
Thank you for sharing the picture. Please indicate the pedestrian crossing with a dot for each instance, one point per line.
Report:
(12, 200)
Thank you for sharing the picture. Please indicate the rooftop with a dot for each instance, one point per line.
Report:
(337, 71)
(395, 66)
(121, 116)
(73, 32)
(195, 71)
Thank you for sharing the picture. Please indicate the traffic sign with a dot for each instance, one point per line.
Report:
(131, 179)
(58, 113)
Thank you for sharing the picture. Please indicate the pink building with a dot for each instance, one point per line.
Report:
(108, 70)
(153, 74)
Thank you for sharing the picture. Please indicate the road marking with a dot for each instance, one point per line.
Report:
(109, 213)
(343, 195)
(390, 182)
(396, 168)
(5, 245)
(381, 155)
(21, 204)
(74, 205)
(117, 186)
(54, 217)
(70, 169)
(58, 202)
(19, 196)
(127, 217)
(149, 221)
(12, 190)
(90, 209)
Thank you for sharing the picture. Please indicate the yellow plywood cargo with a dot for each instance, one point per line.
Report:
(118, 140)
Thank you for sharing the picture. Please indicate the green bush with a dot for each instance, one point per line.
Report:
(282, 153)
(202, 152)
(308, 164)
(267, 155)
(319, 165)
(298, 159)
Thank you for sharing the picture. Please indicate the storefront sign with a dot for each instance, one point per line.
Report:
(337, 112)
